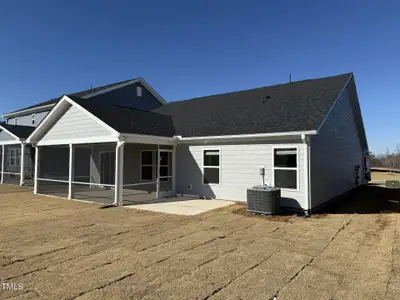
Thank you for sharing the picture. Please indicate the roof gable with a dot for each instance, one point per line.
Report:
(292, 107)
(75, 118)
(68, 120)
(88, 94)
(14, 132)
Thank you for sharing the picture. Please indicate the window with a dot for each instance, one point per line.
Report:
(139, 91)
(211, 166)
(33, 119)
(14, 159)
(16, 121)
(147, 165)
(285, 168)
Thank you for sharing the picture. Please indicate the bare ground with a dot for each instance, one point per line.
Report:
(379, 176)
(61, 249)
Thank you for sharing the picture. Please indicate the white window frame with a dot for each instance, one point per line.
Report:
(153, 165)
(16, 121)
(211, 167)
(15, 157)
(139, 92)
(33, 119)
(288, 146)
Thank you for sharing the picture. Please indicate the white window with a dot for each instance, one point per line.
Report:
(147, 164)
(14, 159)
(139, 91)
(285, 168)
(16, 121)
(33, 119)
(211, 166)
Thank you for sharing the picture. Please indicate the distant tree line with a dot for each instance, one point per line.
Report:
(387, 159)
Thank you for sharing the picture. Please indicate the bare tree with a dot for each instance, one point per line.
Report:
(388, 159)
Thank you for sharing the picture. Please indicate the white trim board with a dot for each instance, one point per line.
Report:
(334, 103)
(262, 136)
(28, 110)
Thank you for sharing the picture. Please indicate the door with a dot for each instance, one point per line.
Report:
(166, 163)
(107, 167)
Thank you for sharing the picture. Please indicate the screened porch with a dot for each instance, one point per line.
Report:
(111, 173)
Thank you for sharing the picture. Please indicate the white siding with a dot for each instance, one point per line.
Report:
(5, 136)
(334, 154)
(239, 171)
(75, 124)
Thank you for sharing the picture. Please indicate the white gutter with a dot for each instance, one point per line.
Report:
(307, 174)
(255, 135)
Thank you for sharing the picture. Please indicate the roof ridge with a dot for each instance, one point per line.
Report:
(262, 87)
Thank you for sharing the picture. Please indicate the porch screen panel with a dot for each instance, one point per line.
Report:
(54, 171)
(12, 163)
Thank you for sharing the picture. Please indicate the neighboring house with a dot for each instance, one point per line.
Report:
(308, 135)
(136, 93)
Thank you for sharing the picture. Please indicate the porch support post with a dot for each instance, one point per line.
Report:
(36, 175)
(119, 174)
(22, 162)
(174, 170)
(2, 163)
(158, 173)
(71, 171)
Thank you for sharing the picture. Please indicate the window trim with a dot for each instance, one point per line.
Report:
(16, 121)
(139, 91)
(33, 119)
(16, 157)
(283, 146)
(211, 167)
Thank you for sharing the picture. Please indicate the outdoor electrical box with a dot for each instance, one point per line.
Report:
(261, 170)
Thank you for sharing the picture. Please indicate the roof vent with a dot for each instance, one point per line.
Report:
(263, 100)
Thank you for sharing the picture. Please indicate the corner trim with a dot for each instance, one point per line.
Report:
(334, 103)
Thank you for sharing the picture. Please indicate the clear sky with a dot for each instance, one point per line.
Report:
(186, 49)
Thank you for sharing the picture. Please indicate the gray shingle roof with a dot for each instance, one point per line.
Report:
(129, 120)
(19, 130)
(296, 106)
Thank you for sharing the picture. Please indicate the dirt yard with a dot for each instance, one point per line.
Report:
(60, 249)
(378, 176)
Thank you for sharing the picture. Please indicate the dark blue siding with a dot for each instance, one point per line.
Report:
(126, 96)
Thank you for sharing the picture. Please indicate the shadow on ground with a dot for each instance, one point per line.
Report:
(369, 199)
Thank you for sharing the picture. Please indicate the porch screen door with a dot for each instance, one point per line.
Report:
(165, 162)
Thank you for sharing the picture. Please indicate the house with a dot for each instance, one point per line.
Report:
(307, 135)
(20, 124)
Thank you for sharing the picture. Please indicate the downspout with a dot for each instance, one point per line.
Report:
(307, 174)
(2, 163)
(119, 174)
(22, 164)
